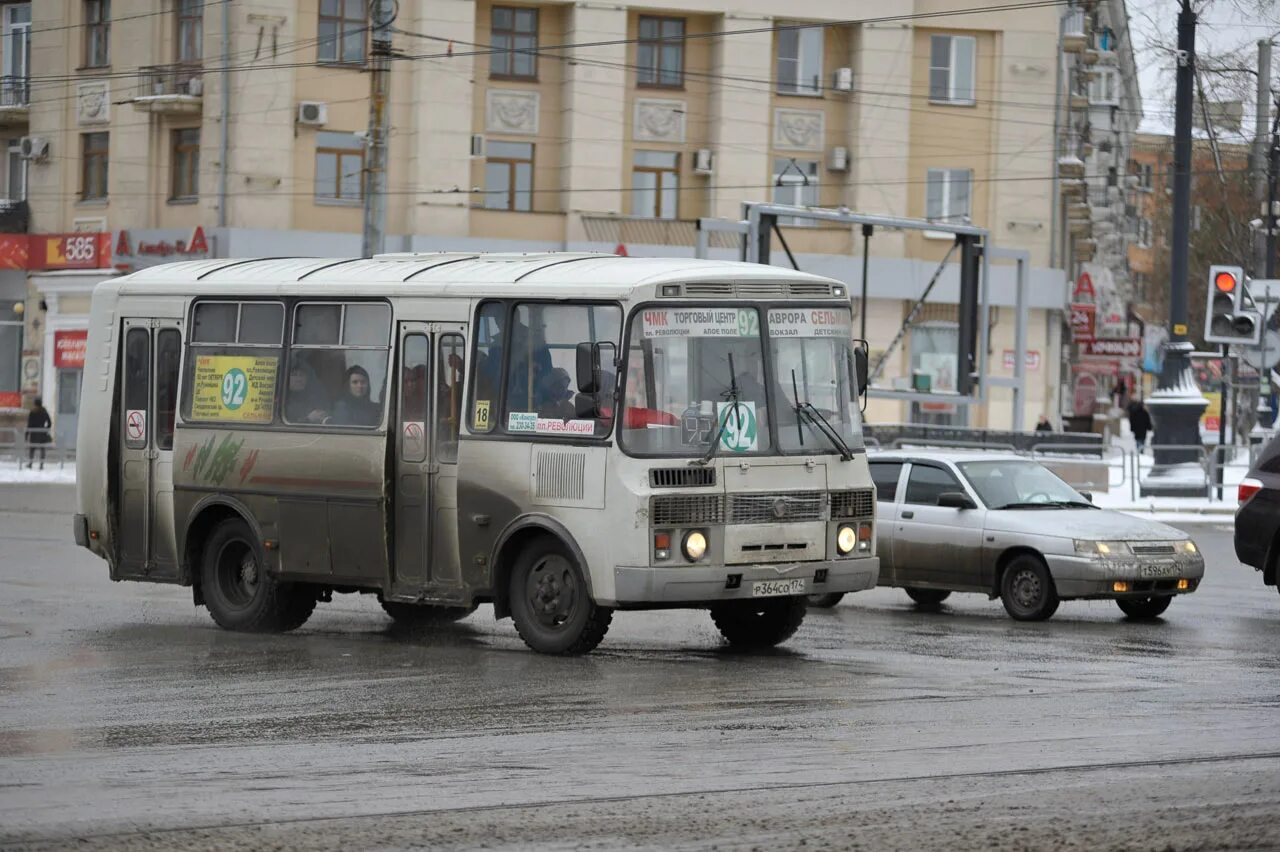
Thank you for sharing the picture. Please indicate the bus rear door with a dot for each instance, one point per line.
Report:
(426, 444)
(151, 350)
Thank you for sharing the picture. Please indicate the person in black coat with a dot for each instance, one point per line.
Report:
(1139, 423)
(39, 424)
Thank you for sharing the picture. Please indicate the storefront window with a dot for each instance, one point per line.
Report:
(10, 354)
(934, 347)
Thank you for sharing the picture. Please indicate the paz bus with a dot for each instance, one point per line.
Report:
(561, 435)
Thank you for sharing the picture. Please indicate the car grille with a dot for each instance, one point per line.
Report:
(1152, 549)
(688, 510)
(777, 508)
(851, 504)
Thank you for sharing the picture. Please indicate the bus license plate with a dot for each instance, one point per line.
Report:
(774, 588)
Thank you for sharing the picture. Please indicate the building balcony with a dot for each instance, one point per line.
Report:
(1074, 36)
(15, 99)
(169, 89)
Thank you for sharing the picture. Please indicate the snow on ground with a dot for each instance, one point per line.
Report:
(10, 472)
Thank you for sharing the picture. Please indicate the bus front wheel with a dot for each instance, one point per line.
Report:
(239, 593)
(759, 623)
(550, 602)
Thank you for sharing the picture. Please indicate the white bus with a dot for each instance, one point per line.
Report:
(562, 435)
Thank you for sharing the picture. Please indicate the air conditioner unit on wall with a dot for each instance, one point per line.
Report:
(838, 159)
(477, 144)
(703, 161)
(34, 147)
(842, 80)
(315, 113)
(195, 87)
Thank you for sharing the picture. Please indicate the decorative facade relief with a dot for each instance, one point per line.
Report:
(93, 102)
(658, 120)
(799, 129)
(511, 111)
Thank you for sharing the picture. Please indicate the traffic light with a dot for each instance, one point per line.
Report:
(1230, 314)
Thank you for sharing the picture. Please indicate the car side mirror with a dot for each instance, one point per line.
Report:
(588, 367)
(956, 500)
(1088, 495)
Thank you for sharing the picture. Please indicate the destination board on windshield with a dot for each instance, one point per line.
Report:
(701, 322)
(810, 322)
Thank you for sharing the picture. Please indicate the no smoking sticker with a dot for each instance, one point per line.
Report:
(135, 424)
(413, 430)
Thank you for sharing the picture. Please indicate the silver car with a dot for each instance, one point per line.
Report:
(1008, 527)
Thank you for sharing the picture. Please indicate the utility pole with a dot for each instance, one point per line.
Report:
(1177, 404)
(1261, 149)
(382, 14)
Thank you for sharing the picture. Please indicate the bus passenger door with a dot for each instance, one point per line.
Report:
(151, 352)
(426, 491)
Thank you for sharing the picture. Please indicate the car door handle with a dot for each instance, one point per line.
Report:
(908, 514)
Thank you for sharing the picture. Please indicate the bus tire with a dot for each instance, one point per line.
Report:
(550, 603)
(927, 598)
(759, 623)
(418, 616)
(239, 594)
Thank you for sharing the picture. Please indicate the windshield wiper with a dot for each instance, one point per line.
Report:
(732, 396)
(1074, 504)
(1039, 504)
(819, 422)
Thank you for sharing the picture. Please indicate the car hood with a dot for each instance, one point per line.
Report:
(1089, 524)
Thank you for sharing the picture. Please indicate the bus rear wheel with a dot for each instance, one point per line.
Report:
(550, 602)
(417, 616)
(239, 593)
(759, 623)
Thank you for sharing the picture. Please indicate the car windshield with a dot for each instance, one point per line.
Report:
(1012, 483)
(685, 366)
(812, 351)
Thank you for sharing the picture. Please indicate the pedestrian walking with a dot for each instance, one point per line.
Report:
(1139, 423)
(1044, 425)
(39, 424)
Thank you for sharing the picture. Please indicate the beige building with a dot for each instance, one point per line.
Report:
(588, 125)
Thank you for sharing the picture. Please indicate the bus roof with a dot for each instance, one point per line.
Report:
(552, 274)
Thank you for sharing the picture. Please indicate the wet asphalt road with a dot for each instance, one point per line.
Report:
(128, 721)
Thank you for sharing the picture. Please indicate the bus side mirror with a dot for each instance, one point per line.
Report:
(588, 367)
(860, 367)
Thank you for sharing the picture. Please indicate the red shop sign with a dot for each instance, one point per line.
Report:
(1082, 321)
(69, 348)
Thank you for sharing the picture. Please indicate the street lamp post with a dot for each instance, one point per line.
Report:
(1177, 403)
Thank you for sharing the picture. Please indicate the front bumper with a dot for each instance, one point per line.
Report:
(696, 584)
(1082, 577)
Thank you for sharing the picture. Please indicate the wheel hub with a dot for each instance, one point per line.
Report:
(1026, 589)
(552, 593)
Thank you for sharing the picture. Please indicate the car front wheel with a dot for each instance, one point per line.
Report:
(927, 598)
(1027, 590)
(1143, 608)
(826, 601)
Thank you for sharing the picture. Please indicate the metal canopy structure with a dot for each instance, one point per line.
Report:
(759, 225)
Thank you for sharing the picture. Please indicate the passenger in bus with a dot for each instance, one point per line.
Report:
(307, 401)
(554, 397)
(354, 408)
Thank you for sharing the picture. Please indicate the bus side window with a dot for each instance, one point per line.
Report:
(338, 364)
(414, 375)
(449, 397)
(490, 339)
(168, 354)
(137, 383)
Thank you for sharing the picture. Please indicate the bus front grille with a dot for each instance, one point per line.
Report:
(851, 504)
(777, 508)
(687, 510)
(682, 477)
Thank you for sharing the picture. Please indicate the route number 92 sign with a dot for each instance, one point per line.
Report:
(740, 432)
(234, 388)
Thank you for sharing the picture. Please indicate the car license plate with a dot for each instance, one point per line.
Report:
(774, 588)
(1163, 569)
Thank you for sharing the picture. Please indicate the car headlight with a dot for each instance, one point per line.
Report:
(1188, 547)
(694, 546)
(846, 540)
(1102, 549)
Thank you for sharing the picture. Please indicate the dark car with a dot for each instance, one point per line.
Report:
(1257, 536)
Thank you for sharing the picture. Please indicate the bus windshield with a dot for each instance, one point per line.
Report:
(697, 375)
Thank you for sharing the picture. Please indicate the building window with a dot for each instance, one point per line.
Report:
(1144, 233)
(97, 33)
(795, 182)
(93, 166)
(513, 36)
(342, 31)
(951, 69)
(16, 51)
(800, 61)
(948, 195)
(339, 167)
(655, 184)
(1105, 89)
(508, 176)
(186, 165)
(15, 173)
(190, 31)
(1145, 174)
(660, 52)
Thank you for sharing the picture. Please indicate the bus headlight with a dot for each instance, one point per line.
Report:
(695, 545)
(846, 540)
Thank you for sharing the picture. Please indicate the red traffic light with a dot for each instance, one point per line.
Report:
(1225, 282)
